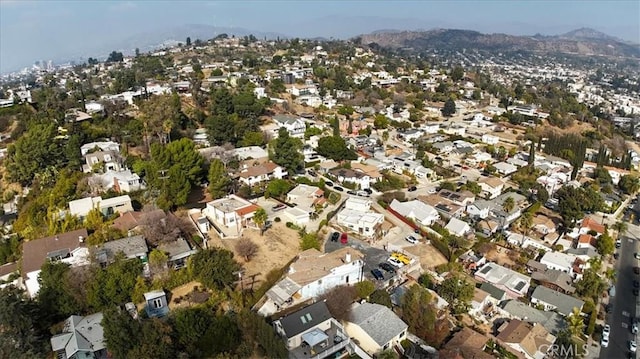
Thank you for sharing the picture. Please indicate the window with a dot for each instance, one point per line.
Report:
(385, 347)
(157, 303)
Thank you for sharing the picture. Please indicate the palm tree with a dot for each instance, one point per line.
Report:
(260, 218)
(620, 227)
(508, 204)
(526, 221)
(575, 323)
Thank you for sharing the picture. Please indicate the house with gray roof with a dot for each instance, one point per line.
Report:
(553, 300)
(551, 321)
(177, 251)
(311, 331)
(81, 337)
(497, 294)
(513, 283)
(375, 327)
(131, 247)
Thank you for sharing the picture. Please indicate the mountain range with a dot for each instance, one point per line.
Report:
(584, 41)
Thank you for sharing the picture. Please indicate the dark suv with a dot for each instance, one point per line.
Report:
(335, 236)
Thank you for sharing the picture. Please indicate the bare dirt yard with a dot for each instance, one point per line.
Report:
(277, 247)
(502, 256)
(429, 256)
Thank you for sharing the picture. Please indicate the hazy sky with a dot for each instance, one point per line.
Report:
(36, 30)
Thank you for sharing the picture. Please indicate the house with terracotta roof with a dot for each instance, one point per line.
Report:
(312, 274)
(586, 241)
(230, 214)
(67, 247)
(589, 224)
(467, 343)
(261, 173)
(525, 338)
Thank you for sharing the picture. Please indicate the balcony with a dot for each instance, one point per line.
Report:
(329, 342)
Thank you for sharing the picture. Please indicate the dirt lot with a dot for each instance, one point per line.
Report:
(502, 256)
(429, 256)
(181, 292)
(276, 248)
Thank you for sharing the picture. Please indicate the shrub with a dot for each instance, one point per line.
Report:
(277, 219)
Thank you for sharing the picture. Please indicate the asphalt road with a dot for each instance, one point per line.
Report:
(624, 303)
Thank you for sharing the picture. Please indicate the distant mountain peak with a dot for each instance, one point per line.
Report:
(588, 33)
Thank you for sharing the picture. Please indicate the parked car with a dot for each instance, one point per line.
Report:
(344, 238)
(279, 207)
(604, 342)
(634, 327)
(338, 188)
(632, 346)
(412, 239)
(335, 236)
(377, 274)
(387, 267)
(311, 173)
(353, 193)
(606, 331)
(395, 262)
(368, 190)
(637, 255)
(431, 190)
(412, 189)
(616, 255)
(608, 308)
(618, 243)
(329, 183)
(363, 193)
(401, 257)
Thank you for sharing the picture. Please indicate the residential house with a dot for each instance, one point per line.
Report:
(357, 217)
(81, 337)
(467, 343)
(106, 146)
(375, 327)
(590, 225)
(497, 295)
(156, 304)
(420, 212)
(231, 212)
(64, 247)
(261, 173)
(551, 278)
(103, 161)
(311, 331)
(361, 179)
(480, 304)
(10, 275)
(294, 125)
(82, 207)
(491, 187)
(130, 247)
(586, 241)
(551, 299)
(178, 251)
(445, 207)
(307, 197)
(131, 221)
(119, 181)
(559, 261)
(530, 339)
(461, 198)
(490, 139)
(543, 224)
(457, 227)
(513, 283)
(254, 152)
(553, 322)
(522, 241)
(312, 274)
(504, 168)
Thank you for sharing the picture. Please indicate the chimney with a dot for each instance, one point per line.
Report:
(81, 239)
(347, 258)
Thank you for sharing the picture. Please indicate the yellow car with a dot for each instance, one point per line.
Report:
(401, 257)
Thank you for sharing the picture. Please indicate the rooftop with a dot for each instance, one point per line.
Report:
(36, 252)
(305, 319)
(564, 303)
(378, 321)
(312, 264)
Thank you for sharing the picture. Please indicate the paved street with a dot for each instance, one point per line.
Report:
(624, 303)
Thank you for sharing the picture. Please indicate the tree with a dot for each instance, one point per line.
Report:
(114, 284)
(33, 152)
(246, 248)
(260, 218)
(365, 288)
(202, 334)
(591, 285)
(22, 336)
(620, 227)
(575, 323)
(449, 108)
(457, 73)
(448, 186)
(382, 297)
(458, 292)
(115, 56)
(418, 311)
(121, 331)
(472, 187)
(188, 42)
(215, 268)
(277, 188)
(339, 300)
(54, 297)
(605, 245)
(509, 204)
(256, 329)
(286, 151)
(308, 241)
(525, 222)
(380, 122)
(334, 147)
(160, 115)
(253, 138)
(219, 180)
(157, 261)
(629, 184)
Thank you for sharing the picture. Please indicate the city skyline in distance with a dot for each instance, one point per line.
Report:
(36, 30)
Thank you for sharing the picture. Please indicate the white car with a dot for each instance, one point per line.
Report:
(634, 328)
(606, 331)
(604, 342)
(637, 255)
(395, 262)
(412, 239)
(632, 346)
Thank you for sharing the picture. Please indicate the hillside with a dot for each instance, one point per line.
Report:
(581, 42)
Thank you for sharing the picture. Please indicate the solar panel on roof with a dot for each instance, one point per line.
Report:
(485, 270)
(520, 285)
(455, 196)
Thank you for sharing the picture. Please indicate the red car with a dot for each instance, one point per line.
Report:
(344, 238)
